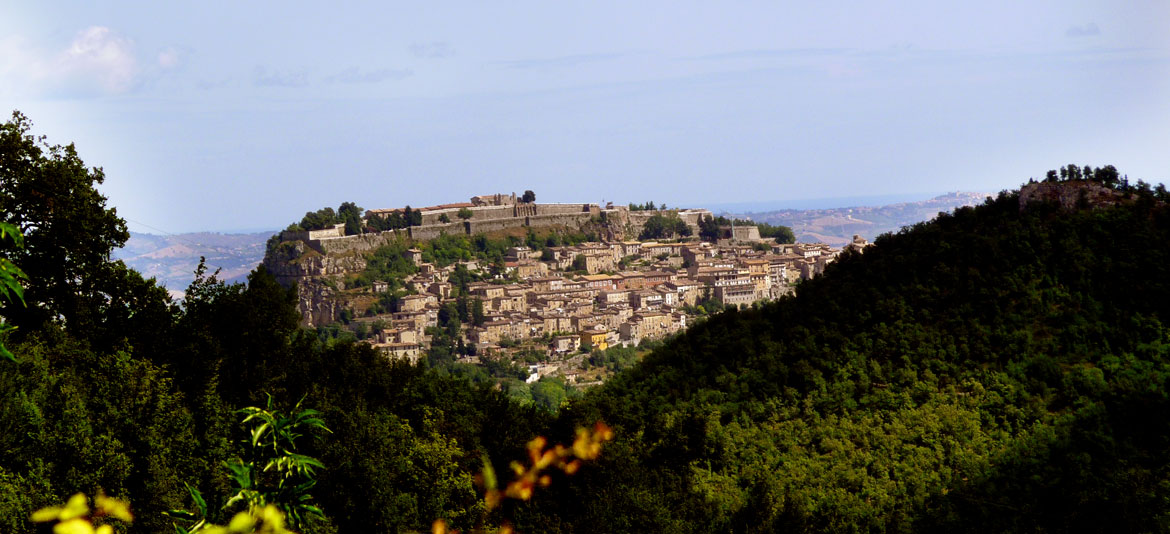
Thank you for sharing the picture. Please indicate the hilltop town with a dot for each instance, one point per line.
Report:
(548, 285)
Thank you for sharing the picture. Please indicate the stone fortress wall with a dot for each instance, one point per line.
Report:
(355, 243)
(432, 216)
(427, 232)
(490, 213)
(478, 213)
(637, 219)
(494, 225)
(305, 235)
(745, 233)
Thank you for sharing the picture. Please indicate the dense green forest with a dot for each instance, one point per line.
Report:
(997, 369)
(116, 388)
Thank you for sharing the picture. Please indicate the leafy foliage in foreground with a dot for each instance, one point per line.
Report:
(10, 278)
(994, 370)
(118, 390)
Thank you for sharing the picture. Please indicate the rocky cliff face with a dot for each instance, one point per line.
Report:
(294, 260)
(317, 303)
(317, 278)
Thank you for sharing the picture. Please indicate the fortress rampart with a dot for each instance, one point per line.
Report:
(427, 232)
(489, 218)
(494, 225)
(355, 243)
(637, 219)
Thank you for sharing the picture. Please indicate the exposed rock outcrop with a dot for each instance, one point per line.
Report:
(317, 303)
(1071, 195)
(317, 278)
(293, 260)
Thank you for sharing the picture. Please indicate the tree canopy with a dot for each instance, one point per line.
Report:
(350, 214)
(320, 219)
(668, 226)
(48, 194)
(981, 372)
(116, 389)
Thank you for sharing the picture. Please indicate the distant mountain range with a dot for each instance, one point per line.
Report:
(172, 259)
(836, 226)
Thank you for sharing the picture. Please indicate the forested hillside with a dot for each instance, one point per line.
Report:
(1003, 368)
(1000, 369)
(114, 388)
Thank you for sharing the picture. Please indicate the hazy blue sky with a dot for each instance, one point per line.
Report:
(245, 115)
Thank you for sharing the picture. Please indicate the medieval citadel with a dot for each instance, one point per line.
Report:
(612, 289)
(499, 212)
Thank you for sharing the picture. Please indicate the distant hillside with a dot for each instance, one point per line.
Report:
(836, 226)
(172, 258)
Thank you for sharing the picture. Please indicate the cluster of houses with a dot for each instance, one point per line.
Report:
(598, 295)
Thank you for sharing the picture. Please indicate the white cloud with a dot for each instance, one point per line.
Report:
(99, 55)
(97, 61)
(168, 58)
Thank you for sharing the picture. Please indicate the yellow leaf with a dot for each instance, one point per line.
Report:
(242, 522)
(73, 526)
(46, 514)
(104, 529)
(581, 444)
(603, 431)
(76, 507)
(113, 507)
(273, 518)
(545, 460)
(492, 499)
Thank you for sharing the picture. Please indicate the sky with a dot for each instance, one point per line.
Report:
(234, 116)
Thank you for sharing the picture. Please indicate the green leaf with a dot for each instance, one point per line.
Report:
(12, 233)
(180, 514)
(489, 474)
(4, 353)
(198, 497)
(258, 432)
